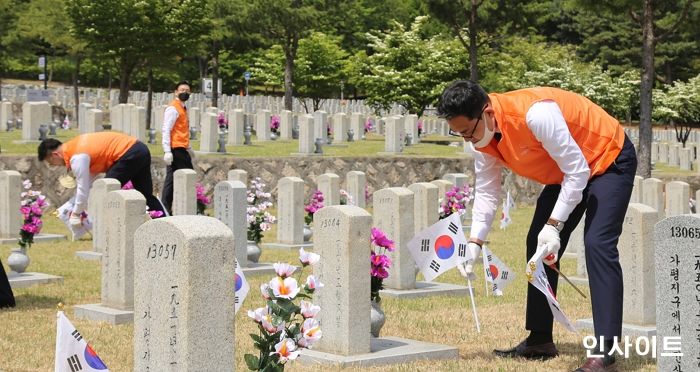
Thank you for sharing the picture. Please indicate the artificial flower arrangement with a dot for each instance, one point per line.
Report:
(32, 208)
(202, 199)
(259, 219)
(379, 262)
(456, 201)
(153, 214)
(315, 203)
(222, 120)
(346, 198)
(285, 328)
(275, 124)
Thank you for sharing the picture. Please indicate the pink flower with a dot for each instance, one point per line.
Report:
(308, 258)
(155, 214)
(381, 240)
(284, 288)
(380, 260)
(286, 350)
(312, 283)
(284, 269)
(309, 310)
(311, 332)
(128, 186)
(379, 272)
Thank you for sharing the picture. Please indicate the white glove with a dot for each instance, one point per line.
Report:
(548, 239)
(467, 270)
(75, 220)
(191, 152)
(168, 158)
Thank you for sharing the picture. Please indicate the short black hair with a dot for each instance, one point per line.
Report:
(47, 146)
(462, 97)
(183, 82)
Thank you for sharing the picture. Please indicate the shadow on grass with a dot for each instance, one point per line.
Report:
(32, 301)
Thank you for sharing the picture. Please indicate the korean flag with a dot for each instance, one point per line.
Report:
(440, 247)
(242, 287)
(496, 272)
(73, 353)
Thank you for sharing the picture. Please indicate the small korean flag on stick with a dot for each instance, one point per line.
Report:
(242, 287)
(508, 204)
(73, 353)
(440, 247)
(538, 277)
(497, 273)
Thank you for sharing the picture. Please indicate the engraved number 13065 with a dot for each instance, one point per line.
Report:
(685, 232)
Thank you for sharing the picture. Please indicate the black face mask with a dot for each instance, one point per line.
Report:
(183, 96)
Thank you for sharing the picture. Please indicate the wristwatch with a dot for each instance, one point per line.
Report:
(557, 224)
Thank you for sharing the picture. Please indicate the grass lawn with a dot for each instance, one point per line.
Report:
(27, 333)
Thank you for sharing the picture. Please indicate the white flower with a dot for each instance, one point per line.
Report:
(23, 194)
(250, 198)
(311, 332)
(258, 314)
(309, 310)
(268, 324)
(286, 349)
(284, 269)
(284, 288)
(312, 283)
(264, 288)
(308, 258)
(27, 184)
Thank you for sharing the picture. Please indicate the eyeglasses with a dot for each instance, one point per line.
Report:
(471, 135)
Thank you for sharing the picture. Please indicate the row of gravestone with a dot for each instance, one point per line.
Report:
(675, 155)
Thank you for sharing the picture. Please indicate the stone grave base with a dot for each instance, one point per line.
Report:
(28, 279)
(39, 238)
(99, 313)
(579, 281)
(258, 269)
(288, 246)
(302, 154)
(89, 255)
(342, 144)
(632, 330)
(384, 350)
(384, 153)
(424, 289)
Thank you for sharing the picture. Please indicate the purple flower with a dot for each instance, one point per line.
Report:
(274, 123)
(128, 186)
(221, 119)
(381, 240)
(155, 214)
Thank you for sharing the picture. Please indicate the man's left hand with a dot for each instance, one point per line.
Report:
(75, 220)
(548, 239)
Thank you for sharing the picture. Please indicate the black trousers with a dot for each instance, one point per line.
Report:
(7, 298)
(605, 201)
(135, 166)
(181, 160)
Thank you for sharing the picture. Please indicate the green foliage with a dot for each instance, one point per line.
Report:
(679, 103)
(319, 67)
(406, 68)
(268, 68)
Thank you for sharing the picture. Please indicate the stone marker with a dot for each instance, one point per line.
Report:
(236, 127)
(393, 138)
(425, 205)
(210, 133)
(93, 121)
(342, 236)
(230, 207)
(677, 263)
(184, 295)
(184, 192)
(10, 217)
(393, 214)
(677, 196)
(653, 192)
(238, 175)
(262, 125)
(290, 214)
(443, 187)
(97, 201)
(306, 134)
(125, 211)
(341, 124)
(285, 129)
(34, 114)
(636, 248)
(320, 130)
(411, 127)
(6, 114)
(637, 190)
(356, 182)
(329, 185)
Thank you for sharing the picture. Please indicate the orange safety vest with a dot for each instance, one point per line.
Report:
(104, 149)
(180, 134)
(598, 134)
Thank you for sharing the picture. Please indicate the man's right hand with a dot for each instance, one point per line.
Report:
(168, 158)
(468, 269)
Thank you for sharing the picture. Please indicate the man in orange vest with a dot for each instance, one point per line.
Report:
(176, 140)
(118, 155)
(587, 164)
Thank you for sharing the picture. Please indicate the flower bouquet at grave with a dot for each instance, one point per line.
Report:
(66, 123)
(259, 219)
(275, 124)
(346, 198)
(456, 201)
(379, 262)
(315, 203)
(285, 328)
(153, 214)
(368, 125)
(420, 128)
(202, 198)
(32, 208)
(222, 120)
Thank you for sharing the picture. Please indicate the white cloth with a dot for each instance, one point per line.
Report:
(547, 124)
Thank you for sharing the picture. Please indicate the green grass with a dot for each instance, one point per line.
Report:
(27, 333)
(369, 147)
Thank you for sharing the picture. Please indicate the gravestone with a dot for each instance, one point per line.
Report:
(356, 182)
(92, 122)
(236, 127)
(262, 125)
(184, 295)
(636, 248)
(184, 192)
(394, 135)
(306, 135)
(230, 207)
(285, 129)
(637, 190)
(443, 187)
(673, 152)
(653, 195)
(320, 130)
(357, 124)
(10, 216)
(238, 175)
(425, 205)
(194, 116)
(329, 185)
(677, 196)
(210, 133)
(82, 110)
(5, 115)
(340, 127)
(342, 236)
(124, 213)
(34, 114)
(97, 214)
(663, 153)
(677, 263)
(411, 127)
(685, 157)
(290, 214)
(116, 114)
(576, 248)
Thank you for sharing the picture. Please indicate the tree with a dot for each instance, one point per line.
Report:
(679, 104)
(111, 27)
(285, 22)
(320, 65)
(8, 17)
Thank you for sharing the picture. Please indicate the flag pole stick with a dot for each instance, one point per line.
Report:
(471, 297)
(485, 261)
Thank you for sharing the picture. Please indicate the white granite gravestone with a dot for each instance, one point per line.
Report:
(341, 124)
(236, 127)
(6, 115)
(393, 138)
(238, 175)
(320, 123)
(34, 114)
(653, 195)
(125, 211)
(637, 190)
(677, 263)
(677, 196)
(356, 182)
(262, 125)
(92, 122)
(329, 185)
(285, 129)
(184, 192)
(306, 135)
(210, 133)
(184, 295)
(411, 127)
(290, 214)
(96, 212)
(10, 217)
(425, 205)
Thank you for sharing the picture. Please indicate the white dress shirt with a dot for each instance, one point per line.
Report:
(169, 118)
(546, 121)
